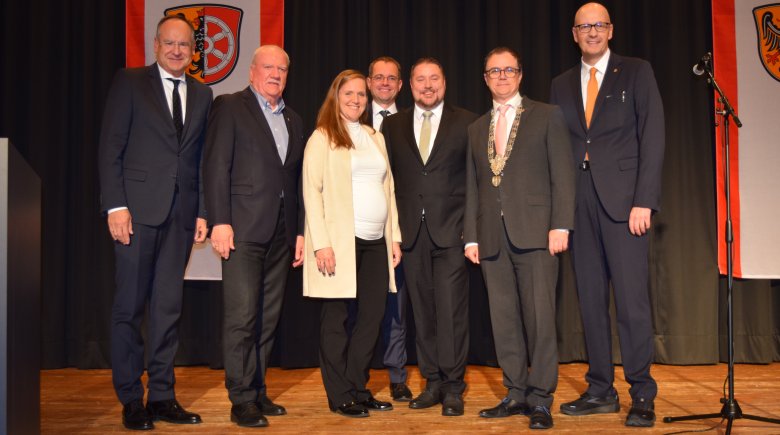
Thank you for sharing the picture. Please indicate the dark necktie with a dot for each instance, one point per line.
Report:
(385, 114)
(177, 118)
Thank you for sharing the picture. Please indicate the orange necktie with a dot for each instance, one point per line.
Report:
(593, 92)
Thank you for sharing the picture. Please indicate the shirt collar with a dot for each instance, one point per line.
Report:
(265, 105)
(601, 65)
(418, 111)
(515, 102)
(166, 75)
(376, 108)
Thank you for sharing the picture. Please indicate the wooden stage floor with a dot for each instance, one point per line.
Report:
(83, 401)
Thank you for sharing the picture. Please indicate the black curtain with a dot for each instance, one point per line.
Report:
(58, 60)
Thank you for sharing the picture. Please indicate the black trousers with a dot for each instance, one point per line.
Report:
(345, 359)
(394, 330)
(521, 295)
(253, 283)
(604, 251)
(438, 288)
(149, 270)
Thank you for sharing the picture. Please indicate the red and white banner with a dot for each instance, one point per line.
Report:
(746, 59)
(226, 36)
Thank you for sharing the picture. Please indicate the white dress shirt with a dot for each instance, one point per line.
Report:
(377, 118)
(435, 120)
(601, 68)
(168, 87)
(514, 103)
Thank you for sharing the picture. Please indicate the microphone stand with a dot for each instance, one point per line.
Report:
(731, 410)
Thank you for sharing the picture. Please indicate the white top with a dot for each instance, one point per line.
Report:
(376, 120)
(369, 170)
(435, 120)
(601, 68)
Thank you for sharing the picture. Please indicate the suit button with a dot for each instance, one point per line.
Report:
(587, 141)
(425, 172)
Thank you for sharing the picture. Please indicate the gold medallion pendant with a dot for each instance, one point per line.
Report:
(497, 162)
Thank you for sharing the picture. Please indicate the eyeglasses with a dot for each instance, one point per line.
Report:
(600, 27)
(381, 78)
(173, 44)
(509, 72)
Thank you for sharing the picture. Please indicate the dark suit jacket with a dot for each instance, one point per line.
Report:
(536, 193)
(625, 142)
(439, 186)
(140, 159)
(243, 175)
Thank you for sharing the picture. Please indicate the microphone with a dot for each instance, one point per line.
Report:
(703, 65)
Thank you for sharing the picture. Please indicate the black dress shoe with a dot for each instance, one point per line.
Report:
(352, 409)
(452, 405)
(506, 408)
(172, 412)
(376, 405)
(426, 399)
(135, 416)
(400, 392)
(588, 404)
(641, 414)
(248, 415)
(270, 408)
(540, 418)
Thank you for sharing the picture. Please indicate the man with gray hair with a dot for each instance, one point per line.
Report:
(254, 150)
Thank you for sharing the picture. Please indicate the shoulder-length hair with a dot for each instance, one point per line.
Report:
(329, 118)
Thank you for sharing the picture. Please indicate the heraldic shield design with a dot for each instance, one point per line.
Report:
(768, 31)
(217, 30)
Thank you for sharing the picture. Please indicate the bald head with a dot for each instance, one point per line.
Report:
(592, 31)
(591, 8)
(270, 49)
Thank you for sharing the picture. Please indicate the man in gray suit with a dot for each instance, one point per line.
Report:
(519, 208)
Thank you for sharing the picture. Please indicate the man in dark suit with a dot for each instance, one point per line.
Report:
(254, 150)
(615, 117)
(427, 149)
(384, 82)
(149, 160)
(519, 210)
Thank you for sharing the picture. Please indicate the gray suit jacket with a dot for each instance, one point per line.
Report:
(536, 193)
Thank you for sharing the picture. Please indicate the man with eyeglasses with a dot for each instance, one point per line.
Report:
(519, 210)
(252, 164)
(149, 162)
(384, 83)
(615, 117)
(427, 148)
